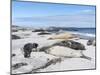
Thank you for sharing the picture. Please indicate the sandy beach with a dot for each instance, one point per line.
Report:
(38, 60)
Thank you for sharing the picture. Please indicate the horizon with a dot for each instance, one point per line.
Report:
(52, 26)
(48, 14)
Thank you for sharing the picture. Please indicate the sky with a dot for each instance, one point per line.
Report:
(49, 14)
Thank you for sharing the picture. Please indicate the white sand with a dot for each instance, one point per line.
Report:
(38, 59)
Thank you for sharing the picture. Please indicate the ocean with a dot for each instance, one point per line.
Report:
(84, 32)
(79, 31)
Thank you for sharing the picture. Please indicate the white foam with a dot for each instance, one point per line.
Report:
(84, 34)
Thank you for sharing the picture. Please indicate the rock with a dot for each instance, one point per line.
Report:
(44, 33)
(15, 37)
(71, 44)
(14, 30)
(91, 42)
(38, 30)
(13, 55)
(18, 65)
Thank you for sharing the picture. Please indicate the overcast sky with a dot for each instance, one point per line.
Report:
(46, 14)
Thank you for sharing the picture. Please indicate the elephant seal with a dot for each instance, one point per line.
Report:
(27, 49)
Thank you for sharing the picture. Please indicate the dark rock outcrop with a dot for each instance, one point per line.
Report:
(18, 65)
(38, 30)
(50, 62)
(15, 37)
(44, 33)
(91, 42)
